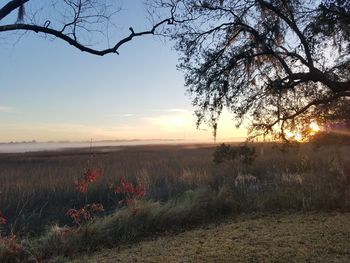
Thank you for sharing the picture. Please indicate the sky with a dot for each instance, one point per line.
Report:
(51, 91)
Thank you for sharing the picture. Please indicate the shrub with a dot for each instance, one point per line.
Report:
(131, 193)
(244, 154)
(11, 249)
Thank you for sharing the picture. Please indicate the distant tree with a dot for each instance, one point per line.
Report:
(73, 21)
(278, 64)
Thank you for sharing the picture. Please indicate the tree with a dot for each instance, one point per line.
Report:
(72, 21)
(278, 64)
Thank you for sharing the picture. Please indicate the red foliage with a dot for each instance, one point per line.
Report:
(81, 186)
(96, 208)
(12, 244)
(131, 193)
(85, 213)
(90, 176)
(88, 211)
(3, 220)
(78, 215)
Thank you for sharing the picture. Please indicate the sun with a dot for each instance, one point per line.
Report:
(177, 122)
(298, 137)
(301, 137)
(314, 128)
(294, 136)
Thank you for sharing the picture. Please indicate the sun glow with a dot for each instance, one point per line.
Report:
(299, 137)
(314, 128)
(293, 136)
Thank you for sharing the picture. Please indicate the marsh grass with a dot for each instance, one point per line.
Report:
(37, 189)
(123, 227)
(185, 189)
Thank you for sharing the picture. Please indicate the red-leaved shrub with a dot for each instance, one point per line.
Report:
(10, 246)
(3, 220)
(90, 176)
(131, 193)
(85, 213)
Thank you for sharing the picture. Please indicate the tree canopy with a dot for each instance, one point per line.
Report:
(77, 22)
(277, 64)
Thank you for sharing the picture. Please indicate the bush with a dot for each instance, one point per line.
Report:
(243, 154)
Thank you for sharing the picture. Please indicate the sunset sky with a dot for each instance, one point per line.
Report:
(51, 91)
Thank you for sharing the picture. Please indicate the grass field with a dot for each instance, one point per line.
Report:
(273, 238)
(184, 187)
(37, 189)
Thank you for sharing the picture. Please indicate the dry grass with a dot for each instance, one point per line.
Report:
(37, 188)
(185, 189)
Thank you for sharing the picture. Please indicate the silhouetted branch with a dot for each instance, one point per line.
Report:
(82, 15)
(11, 6)
(73, 41)
(303, 110)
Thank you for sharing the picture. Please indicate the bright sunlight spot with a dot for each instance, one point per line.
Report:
(314, 128)
(298, 137)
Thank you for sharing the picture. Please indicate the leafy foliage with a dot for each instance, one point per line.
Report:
(85, 213)
(11, 249)
(131, 194)
(243, 153)
(278, 64)
(90, 176)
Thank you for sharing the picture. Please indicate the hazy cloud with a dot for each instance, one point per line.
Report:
(5, 109)
(124, 115)
(168, 124)
(179, 110)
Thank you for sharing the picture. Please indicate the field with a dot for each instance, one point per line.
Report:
(274, 238)
(38, 188)
(184, 189)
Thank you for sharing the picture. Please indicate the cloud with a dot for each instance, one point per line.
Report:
(123, 115)
(175, 120)
(5, 109)
(179, 110)
(169, 124)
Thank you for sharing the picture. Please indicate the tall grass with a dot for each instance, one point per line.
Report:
(37, 189)
(185, 188)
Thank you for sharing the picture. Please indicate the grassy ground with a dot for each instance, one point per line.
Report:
(37, 189)
(274, 238)
(184, 189)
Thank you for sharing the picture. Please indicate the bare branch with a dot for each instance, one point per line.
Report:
(293, 26)
(304, 109)
(11, 6)
(73, 41)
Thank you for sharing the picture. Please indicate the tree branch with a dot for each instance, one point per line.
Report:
(294, 27)
(314, 75)
(10, 6)
(305, 108)
(75, 43)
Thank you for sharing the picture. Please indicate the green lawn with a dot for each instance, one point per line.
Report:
(274, 238)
